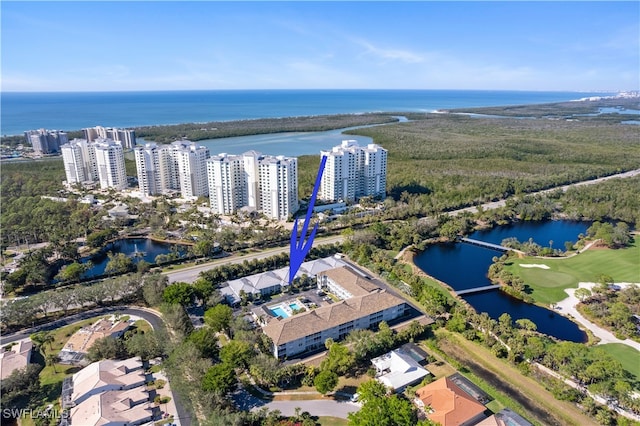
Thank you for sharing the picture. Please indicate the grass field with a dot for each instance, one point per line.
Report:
(508, 385)
(548, 285)
(628, 357)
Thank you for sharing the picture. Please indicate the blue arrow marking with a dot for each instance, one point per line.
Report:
(299, 248)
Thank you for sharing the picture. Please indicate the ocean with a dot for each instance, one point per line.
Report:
(21, 111)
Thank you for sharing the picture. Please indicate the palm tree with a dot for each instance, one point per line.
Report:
(51, 360)
(48, 338)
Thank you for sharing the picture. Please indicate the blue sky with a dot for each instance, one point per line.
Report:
(105, 46)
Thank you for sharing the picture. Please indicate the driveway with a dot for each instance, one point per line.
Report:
(325, 407)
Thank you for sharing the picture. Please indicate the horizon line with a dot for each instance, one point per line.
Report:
(324, 89)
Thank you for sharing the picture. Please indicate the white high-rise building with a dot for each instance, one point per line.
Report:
(192, 168)
(79, 161)
(110, 164)
(170, 176)
(178, 167)
(250, 160)
(46, 141)
(352, 172)
(264, 183)
(374, 171)
(127, 138)
(148, 166)
(226, 183)
(278, 186)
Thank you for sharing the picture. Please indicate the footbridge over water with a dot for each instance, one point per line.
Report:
(485, 244)
(477, 289)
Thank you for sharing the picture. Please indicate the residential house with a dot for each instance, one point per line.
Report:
(446, 403)
(398, 369)
(17, 357)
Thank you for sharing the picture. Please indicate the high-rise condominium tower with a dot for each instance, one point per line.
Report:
(110, 164)
(79, 160)
(178, 167)
(101, 160)
(126, 137)
(148, 166)
(352, 171)
(46, 141)
(192, 168)
(264, 183)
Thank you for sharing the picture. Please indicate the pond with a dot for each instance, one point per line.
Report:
(136, 248)
(464, 266)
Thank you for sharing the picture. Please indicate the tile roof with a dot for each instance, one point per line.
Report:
(113, 407)
(350, 281)
(286, 330)
(450, 404)
(16, 358)
(104, 373)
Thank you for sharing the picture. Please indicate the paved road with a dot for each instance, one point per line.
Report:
(501, 203)
(152, 318)
(191, 273)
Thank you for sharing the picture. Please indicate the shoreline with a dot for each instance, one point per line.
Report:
(207, 108)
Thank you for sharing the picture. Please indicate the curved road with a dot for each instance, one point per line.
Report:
(148, 315)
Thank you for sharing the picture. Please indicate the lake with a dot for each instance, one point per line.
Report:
(136, 248)
(464, 266)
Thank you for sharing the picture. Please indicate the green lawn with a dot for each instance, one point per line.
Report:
(332, 421)
(548, 285)
(628, 357)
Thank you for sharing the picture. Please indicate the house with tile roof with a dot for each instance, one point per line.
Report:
(367, 306)
(17, 357)
(129, 407)
(446, 403)
(106, 375)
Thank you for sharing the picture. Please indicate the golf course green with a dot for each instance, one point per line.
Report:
(549, 277)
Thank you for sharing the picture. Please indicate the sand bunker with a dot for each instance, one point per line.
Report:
(533, 265)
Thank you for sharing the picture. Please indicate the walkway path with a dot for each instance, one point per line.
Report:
(567, 307)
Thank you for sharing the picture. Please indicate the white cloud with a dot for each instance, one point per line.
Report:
(390, 54)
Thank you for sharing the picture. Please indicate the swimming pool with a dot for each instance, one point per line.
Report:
(279, 312)
(294, 306)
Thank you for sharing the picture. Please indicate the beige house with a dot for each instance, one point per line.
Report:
(366, 307)
(129, 407)
(84, 338)
(106, 375)
(16, 358)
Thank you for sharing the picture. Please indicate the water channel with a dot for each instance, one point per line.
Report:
(465, 266)
(291, 144)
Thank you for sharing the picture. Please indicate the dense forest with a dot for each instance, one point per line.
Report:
(454, 160)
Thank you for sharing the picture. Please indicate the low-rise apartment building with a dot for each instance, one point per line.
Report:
(368, 307)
